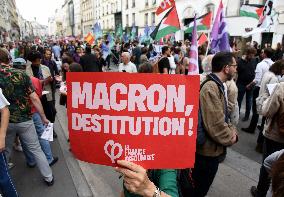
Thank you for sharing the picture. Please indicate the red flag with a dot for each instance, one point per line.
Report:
(202, 39)
(165, 4)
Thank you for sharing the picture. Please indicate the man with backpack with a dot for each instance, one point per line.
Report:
(217, 131)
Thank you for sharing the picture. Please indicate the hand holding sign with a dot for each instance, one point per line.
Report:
(135, 178)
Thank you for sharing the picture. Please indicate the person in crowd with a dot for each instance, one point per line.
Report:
(20, 64)
(42, 72)
(67, 60)
(273, 110)
(101, 61)
(173, 65)
(106, 52)
(277, 173)
(126, 65)
(136, 53)
(64, 49)
(77, 55)
(47, 61)
(14, 53)
(271, 77)
(246, 73)
(151, 52)
(219, 132)
(56, 51)
(139, 182)
(207, 67)
(278, 54)
(7, 187)
(179, 57)
(261, 68)
(19, 91)
(164, 63)
(144, 57)
(89, 61)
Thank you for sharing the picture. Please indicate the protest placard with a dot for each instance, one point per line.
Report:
(149, 119)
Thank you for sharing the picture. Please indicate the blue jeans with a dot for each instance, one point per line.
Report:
(242, 91)
(45, 146)
(6, 184)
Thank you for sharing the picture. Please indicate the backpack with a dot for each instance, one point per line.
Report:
(201, 131)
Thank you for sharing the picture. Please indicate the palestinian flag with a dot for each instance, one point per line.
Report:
(168, 25)
(203, 23)
(253, 11)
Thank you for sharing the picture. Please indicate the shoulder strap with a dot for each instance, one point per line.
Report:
(222, 93)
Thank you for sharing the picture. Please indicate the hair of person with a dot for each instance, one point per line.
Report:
(207, 63)
(177, 50)
(47, 49)
(33, 55)
(144, 50)
(220, 60)
(250, 50)
(68, 60)
(151, 47)
(277, 67)
(75, 67)
(127, 54)
(145, 68)
(4, 56)
(164, 49)
(88, 49)
(277, 175)
(268, 52)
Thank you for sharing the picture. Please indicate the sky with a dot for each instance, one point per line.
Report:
(41, 9)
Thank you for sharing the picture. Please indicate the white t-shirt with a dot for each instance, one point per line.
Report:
(3, 100)
(172, 65)
(262, 68)
(129, 68)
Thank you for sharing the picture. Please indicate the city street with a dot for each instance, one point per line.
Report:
(76, 178)
(130, 70)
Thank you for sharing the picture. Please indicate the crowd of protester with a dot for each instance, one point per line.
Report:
(30, 74)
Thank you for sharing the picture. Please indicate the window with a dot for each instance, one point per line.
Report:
(127, 20)
(133, 3)
(133, 18)
(146, 19)
(153, 18)
(153, 2)
(126, 6)
(146, 3)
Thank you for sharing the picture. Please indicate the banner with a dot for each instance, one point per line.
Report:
(148, 119)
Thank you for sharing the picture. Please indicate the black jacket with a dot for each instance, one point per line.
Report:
(90, 63)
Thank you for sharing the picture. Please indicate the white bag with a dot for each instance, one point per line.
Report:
(48, 132)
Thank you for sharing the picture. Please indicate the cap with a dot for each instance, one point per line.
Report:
(19, 62)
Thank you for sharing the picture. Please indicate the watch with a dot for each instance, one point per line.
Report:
(157, 192)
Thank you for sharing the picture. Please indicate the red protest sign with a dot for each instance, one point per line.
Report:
(148, 119)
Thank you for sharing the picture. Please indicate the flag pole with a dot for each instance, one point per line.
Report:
(208, 40)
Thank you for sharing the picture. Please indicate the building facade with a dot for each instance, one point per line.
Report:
(87, 14)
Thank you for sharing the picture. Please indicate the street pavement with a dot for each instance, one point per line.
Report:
(234, 178)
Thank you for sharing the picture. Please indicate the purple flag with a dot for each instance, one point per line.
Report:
(219, 34)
